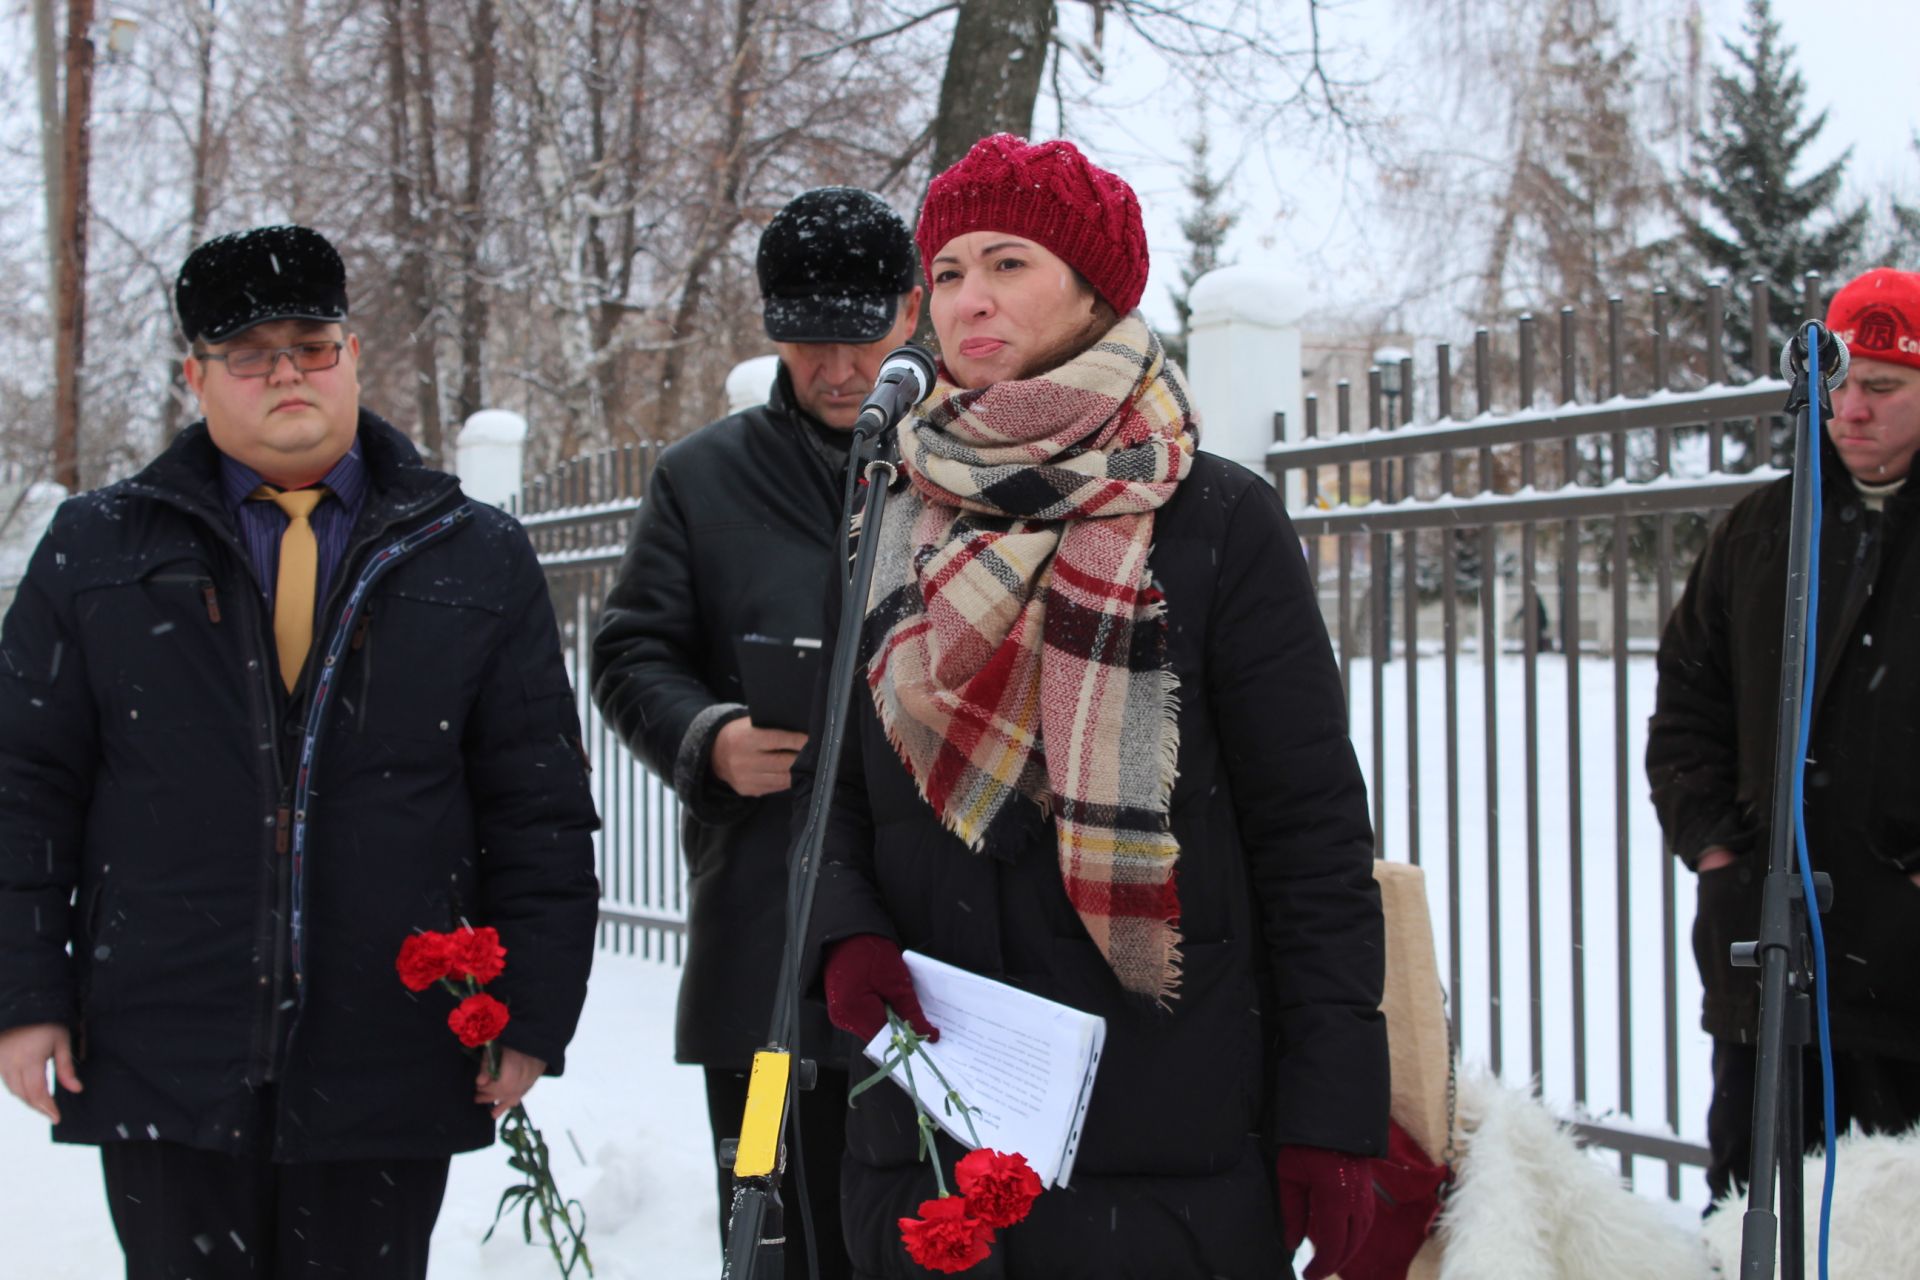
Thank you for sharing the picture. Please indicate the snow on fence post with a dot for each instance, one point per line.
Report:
(749, 381)
(488, 455)
(1243, 355)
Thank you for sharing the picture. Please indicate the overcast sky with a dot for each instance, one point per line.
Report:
(1306, 211)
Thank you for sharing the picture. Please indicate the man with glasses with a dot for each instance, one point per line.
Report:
(267, 708)
(738, 537)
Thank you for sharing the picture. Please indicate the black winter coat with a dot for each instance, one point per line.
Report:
(209, 879)
(1275, 1036)
(738, 535)
(1711, 743)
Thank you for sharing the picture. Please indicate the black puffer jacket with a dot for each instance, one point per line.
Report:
(1710, 751)
(234, 868)
(1276, 1035)
(737, 536)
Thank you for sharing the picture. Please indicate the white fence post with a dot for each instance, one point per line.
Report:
(749, 381)
(488, 455)
(1243, 355)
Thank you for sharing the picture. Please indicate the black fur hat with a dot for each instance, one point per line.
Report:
(832, 267)
(236, 281)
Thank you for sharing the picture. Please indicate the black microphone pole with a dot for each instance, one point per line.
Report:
(1784, 951)
(756, 1235)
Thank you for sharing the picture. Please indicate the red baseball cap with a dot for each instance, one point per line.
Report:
(1878, 316)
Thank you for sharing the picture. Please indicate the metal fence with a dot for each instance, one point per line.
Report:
(1526, 557)
(1490, 582)
(579, 516)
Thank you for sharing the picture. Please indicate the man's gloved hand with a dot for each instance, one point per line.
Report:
(864, 975)
(1326, 1197)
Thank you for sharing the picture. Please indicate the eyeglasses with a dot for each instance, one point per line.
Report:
(258, 362)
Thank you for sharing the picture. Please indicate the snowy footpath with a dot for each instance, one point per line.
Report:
(642, 1168)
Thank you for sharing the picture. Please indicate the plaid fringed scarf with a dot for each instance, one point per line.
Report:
(1016, 645)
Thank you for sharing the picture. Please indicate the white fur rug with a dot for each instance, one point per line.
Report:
(1876, 1212)
(1530, 1204)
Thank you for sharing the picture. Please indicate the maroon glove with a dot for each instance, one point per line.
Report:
(1326, 1197)
(864, 975)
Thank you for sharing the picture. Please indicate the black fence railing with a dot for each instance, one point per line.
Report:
(1494, 585)
(579, 516)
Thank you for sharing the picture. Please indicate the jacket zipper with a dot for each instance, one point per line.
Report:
(272, 1027)
(315, 690)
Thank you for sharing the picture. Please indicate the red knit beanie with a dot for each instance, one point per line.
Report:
(1878, 316)
(1049, 193)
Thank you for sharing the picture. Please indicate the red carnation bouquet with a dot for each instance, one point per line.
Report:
(954, 1232)
(463, 962)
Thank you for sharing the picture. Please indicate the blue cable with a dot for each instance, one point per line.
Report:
(1812, 671)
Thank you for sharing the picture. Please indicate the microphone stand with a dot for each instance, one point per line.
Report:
(1784, 950)
(756, 1236)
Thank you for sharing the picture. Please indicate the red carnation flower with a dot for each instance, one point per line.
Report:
(946, 1237)
(999, 1189)
(424, 960)
(477, 953)
(478, 1019)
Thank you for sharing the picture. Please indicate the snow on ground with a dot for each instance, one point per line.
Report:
(639, 1120)
(643, 1164)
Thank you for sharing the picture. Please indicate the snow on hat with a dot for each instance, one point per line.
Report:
(1878, 316)
(236, 281)
(832, 267)
(1051, 194)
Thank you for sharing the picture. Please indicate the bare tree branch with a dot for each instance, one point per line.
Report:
(871, 37)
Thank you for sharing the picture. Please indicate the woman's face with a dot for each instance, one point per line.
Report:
(1004, 308)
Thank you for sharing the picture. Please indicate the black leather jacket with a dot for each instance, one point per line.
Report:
(737, 535)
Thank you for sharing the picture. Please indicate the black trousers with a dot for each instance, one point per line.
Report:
(186, 1214)
(1871, 1093)
(821, 1126)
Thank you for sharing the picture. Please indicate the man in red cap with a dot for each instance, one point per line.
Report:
(1710, 745)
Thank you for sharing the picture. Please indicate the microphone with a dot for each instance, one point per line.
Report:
(906, 375)
(1835, 359)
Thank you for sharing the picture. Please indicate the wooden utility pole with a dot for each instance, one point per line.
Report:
(207, 171)
(46, 65)
(70, 293)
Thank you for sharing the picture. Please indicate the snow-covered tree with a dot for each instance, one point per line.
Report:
(1205, 229)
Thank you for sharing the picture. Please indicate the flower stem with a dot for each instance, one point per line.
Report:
(908, 1041)
(539, 1194)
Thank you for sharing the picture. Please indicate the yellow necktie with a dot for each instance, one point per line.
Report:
(298, 579)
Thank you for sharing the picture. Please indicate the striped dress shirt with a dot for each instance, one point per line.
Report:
(260, 524)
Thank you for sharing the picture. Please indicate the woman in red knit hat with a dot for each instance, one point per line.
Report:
(1103, 756)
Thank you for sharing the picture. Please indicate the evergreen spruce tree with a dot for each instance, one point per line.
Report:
(1906, 226)
(1762, 222)
(1893, 236)
(1205, 229)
